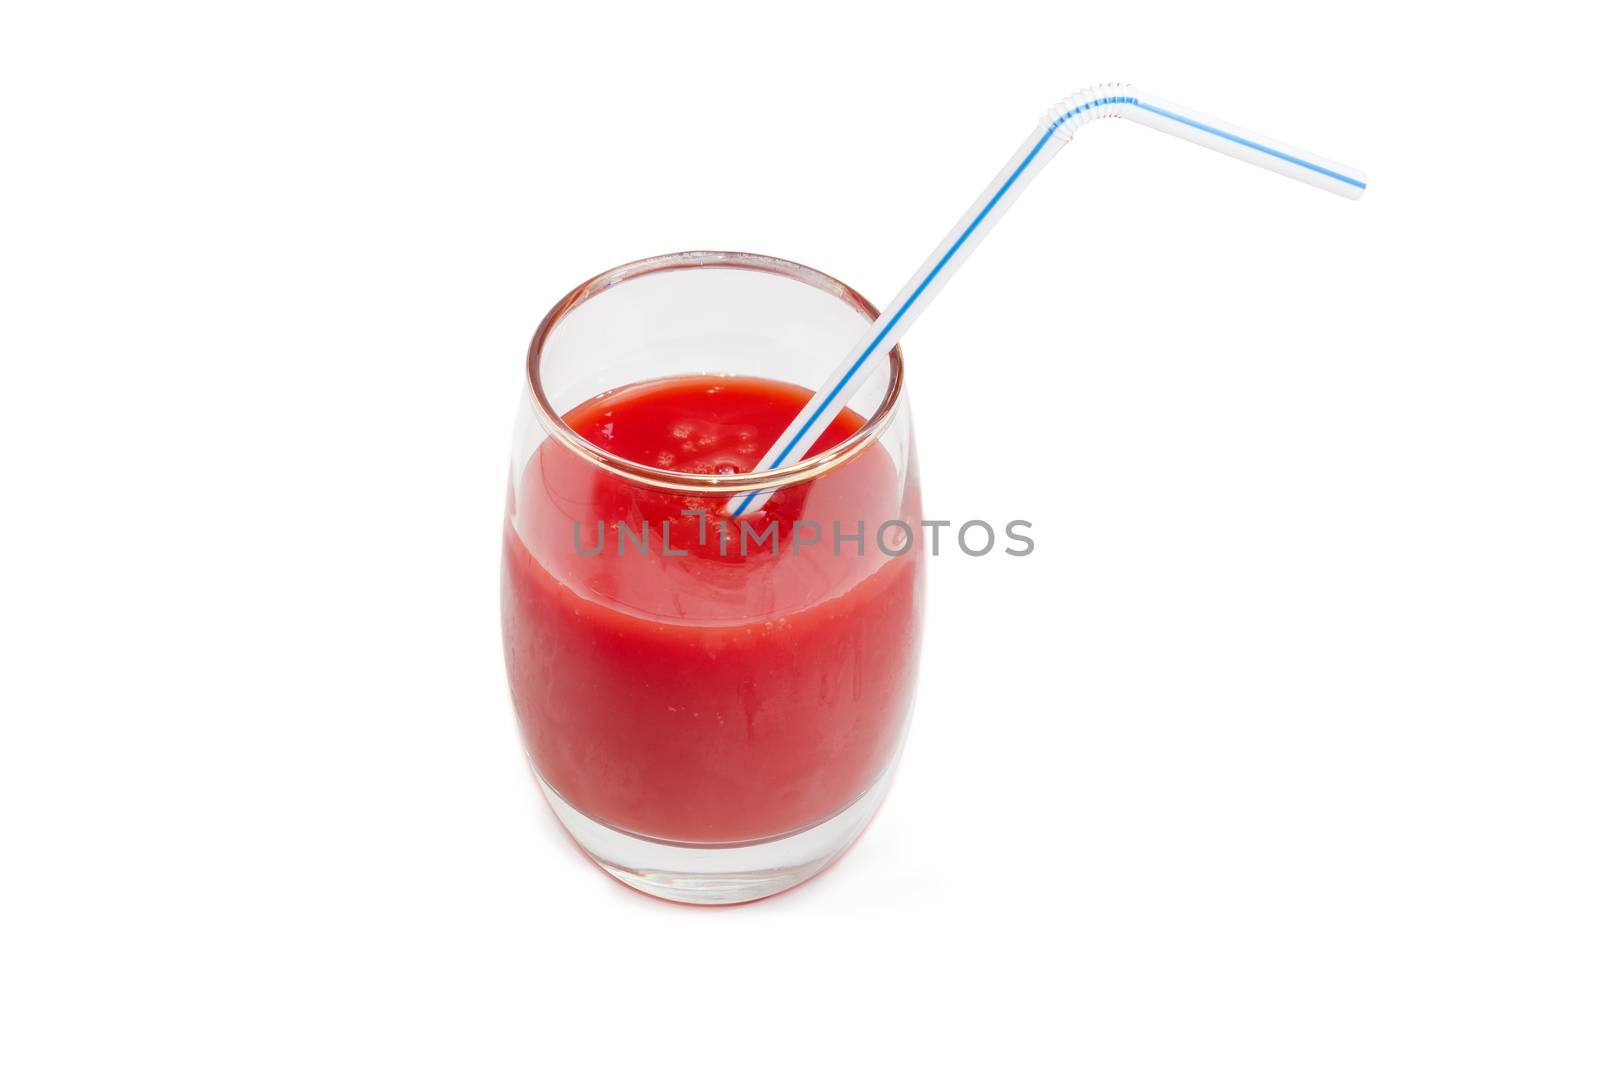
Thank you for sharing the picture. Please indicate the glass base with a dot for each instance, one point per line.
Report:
(718, 874)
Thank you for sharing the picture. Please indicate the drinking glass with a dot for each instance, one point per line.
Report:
(713, 708)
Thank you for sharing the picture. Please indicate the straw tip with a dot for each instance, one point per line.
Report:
(1346, 182)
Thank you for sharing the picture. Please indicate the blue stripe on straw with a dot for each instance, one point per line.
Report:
(1226, 136)
(984, 213)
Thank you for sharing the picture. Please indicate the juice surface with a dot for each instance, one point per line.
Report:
(721, 694)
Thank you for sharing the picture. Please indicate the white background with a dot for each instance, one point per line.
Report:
(1281, 749)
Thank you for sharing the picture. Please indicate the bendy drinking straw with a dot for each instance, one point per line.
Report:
(1053, 131)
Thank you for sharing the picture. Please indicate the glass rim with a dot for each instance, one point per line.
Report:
(710, 484)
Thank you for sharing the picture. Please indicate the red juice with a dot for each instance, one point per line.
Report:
(695, 692)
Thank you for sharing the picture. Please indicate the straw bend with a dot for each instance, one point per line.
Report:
(1112, 100)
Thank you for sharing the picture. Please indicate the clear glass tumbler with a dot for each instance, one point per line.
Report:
(713, 708)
